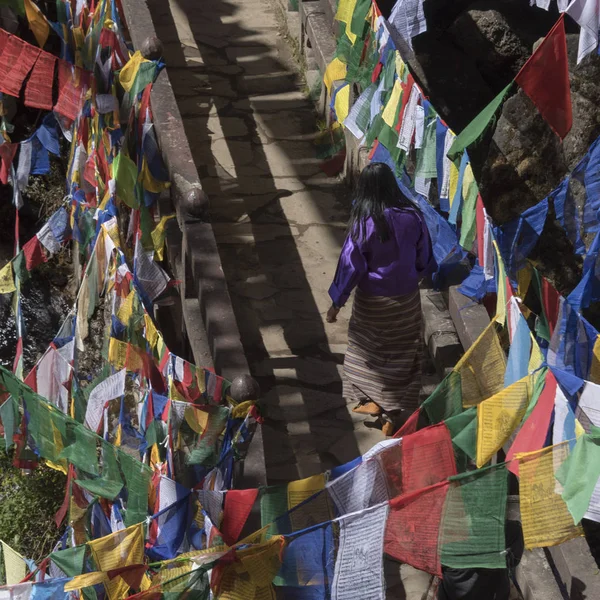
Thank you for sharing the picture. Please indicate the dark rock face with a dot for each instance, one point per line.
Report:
(470, 52)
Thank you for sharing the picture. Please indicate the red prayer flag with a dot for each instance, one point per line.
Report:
(545, 79)
(238, 504)
(72, 82)
(61, 513)
(38, 91)
(16, 61)
(376, 72)
(34, 254)
(405, 96)
(410, 426)
(7, 154)
(4, 37)
(427, 458)
(413, 525)
(532, 434)
(551, 304)
(132, 575)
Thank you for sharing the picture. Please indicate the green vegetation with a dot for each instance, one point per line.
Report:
(28, 503)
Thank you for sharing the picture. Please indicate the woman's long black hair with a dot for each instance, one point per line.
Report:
(377, 190)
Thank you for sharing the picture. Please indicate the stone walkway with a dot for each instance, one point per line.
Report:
(279, 221)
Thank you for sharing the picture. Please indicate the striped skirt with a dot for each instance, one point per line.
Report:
(383, 361)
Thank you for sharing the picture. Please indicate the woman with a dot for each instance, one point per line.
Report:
(386, 253)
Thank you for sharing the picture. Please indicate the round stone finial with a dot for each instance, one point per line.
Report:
(196, 203)
(244, 387)
(152, 48)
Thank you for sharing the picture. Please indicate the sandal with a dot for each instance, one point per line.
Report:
(368, 408)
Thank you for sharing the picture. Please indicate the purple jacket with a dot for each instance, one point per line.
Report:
(390, 268)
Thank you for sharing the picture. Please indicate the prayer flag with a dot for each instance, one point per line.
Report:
(477, 127)
(72, 82)
(413, 527)
(533, 433)
(580, 477)
(7, 280)
(16, 60)
(361, 535)
(37, 22)
(545, 79)
(545, 516)
(498, 417)
(15, 567)
(587, 14)
(238, 505)
(120, 549)
(7, 154)
(38, 91)
(34, 253)
(472, 531)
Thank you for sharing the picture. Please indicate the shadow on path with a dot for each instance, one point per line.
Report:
(278, 220)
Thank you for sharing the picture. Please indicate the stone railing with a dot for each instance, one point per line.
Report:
(205, 320)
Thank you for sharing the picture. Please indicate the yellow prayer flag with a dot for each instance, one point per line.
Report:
(342, 103)
(595, 368)
(344, 14)
(400, 65)
(545, 517)
(536, 359)
(482, 368)
(579, 430)
(83, 306)
(158, 236)
(120, 549)
(15, 567)
(129, 71)
(390, 112)
(524, 276)
(154, 455)
(123, 355)
(336, 71)
(126, 309)
(302, 489)
(499, 416)
(453, 183)
(86, 580)
(151, 331)
(7, 279)
(150, 183)
(37, 22)
(501, 288)
(196, 418)
(60, 465)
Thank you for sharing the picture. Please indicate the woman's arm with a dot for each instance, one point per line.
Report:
(352, 265)
(425, 260)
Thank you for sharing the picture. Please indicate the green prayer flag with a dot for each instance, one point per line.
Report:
(446, 399)
(273, 504)
(137, 479)
(472, 530)
(146, 74)
(20, 268)
(476, 128)
(101, 487)
(426, 166)
(579, 475)
(463, 431)
(468, 230)
(70, 561)
(125, 173)
(9, 414)
(17, 5)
